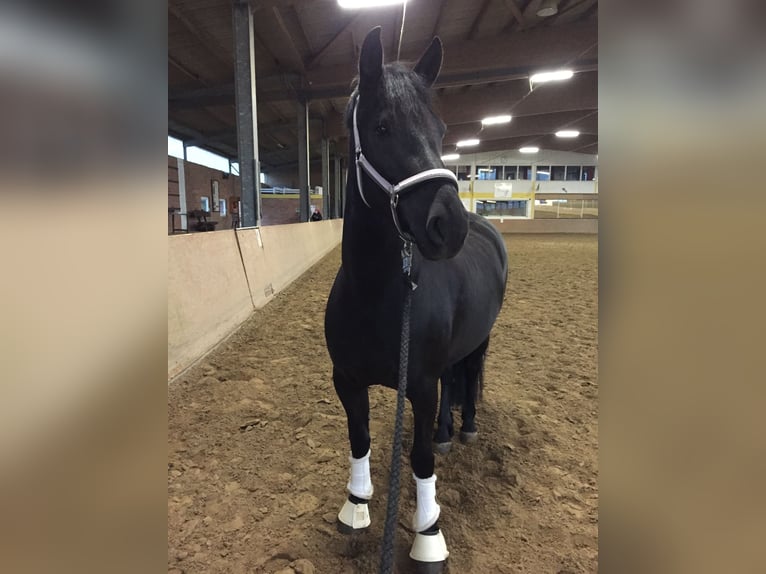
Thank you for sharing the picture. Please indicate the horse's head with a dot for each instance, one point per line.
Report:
(401, 137)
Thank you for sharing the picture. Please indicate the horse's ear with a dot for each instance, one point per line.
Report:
(430, 62)
(371, 60)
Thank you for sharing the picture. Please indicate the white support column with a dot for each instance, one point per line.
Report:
(182, 192)
(325, 178)
(304, 163)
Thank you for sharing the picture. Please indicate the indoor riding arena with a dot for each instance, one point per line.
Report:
(263, 205)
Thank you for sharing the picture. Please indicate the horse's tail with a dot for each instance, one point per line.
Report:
(467, 380)
(480, 377)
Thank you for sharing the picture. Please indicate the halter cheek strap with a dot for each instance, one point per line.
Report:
(393, 190)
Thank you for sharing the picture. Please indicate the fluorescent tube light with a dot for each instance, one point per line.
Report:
(543, 173)
(554, 76)
(467, 143)
(567, 133)
(529, 149)
(494, 120)
(353, 4)
(450, 156)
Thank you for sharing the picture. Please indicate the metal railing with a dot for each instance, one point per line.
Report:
(279, 190)
(566, 209)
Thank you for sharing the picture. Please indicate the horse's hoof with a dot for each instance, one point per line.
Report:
(429, 567)
(353, 517)
(347, 530)
(429, 551)
(469, 437)
(442, 447)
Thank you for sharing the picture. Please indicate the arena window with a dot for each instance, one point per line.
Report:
(588, 173)
(558, 173)
(463, 172)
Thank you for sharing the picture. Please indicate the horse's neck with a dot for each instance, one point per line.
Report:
(371, 246)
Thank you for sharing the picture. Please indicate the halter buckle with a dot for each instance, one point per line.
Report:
(406, 254)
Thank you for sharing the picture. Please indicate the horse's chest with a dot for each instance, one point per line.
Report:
(368, 331)
(364, 338)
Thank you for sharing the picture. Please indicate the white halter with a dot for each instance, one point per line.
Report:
(393, 190)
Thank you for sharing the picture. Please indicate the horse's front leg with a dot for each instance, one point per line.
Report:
(429, 545)
(444, 422)
(355, 514)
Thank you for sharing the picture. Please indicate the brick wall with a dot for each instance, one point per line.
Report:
(276, 210)
(289, 177)
(199, 184)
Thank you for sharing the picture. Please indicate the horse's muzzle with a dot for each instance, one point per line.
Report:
(446, 225)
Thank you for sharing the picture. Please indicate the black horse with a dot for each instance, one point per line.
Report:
(459, 265)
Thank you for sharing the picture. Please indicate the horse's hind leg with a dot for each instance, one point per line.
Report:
(355, 514)
(474, 374)
(429, 546)
(444, 422)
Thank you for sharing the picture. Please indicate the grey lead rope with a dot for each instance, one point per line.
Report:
(392, 506)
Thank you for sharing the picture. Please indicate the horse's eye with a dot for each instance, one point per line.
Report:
(381, 129)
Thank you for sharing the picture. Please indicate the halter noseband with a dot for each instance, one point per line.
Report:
(393, 190)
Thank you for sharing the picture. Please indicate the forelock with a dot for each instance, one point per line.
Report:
(402, 88)
(405, 89)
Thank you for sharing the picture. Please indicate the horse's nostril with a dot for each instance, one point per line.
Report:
(436, 230)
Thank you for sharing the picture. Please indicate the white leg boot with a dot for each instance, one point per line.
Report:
(355, 514)
(429, 544)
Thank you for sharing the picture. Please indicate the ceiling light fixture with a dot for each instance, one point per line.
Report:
(529, 149)
(467, 143)
(567, 133)
(494, 120)
(548, 8)
(555, 76)
(353, 4)
(450, 156)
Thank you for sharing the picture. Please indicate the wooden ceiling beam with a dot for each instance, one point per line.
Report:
(179, 66)
(530, 13)
(438, 21)
(580, 93)
(517, 15)
(301, 29)
(572, 11)
(208, 40)
(315, 58)
(484, 60)
(474, 29)
(528, 126)
(297, 60)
